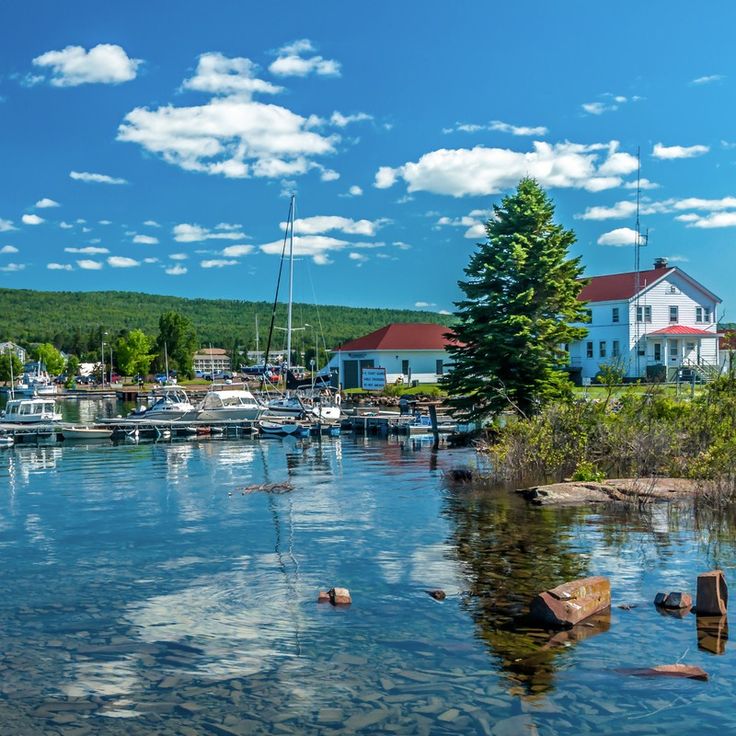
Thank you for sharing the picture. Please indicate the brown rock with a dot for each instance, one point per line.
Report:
(660, 598)
(438, 595)
(668, 670)
(340, 597)
(567, 604)
(323, 597)
(712, 596)
(678, 600)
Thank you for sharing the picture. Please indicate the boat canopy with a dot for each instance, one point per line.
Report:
(219, 399)
(29, 407)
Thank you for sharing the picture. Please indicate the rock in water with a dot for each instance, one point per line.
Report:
(438, 595)
(569, 603)
(678, 600)
(323, 597)
(340, 597)
(712, 596)
(668, 670)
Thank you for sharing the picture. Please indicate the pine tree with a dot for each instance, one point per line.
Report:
(521, 296)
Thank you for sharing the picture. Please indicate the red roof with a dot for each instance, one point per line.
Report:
(683, 330)
(617, 286)
(401, 336)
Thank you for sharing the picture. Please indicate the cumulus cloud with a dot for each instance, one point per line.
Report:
(59, 267)
(13, 267)
(150, 260)
(619, 236)
(217, 263)
(358, 257)
(145, 240)
(498, 125)
(32, 220)
(354, 191)
(483, 171)
(176, 270)
(626, 209)
(189, 233)
(340, 120)
(89, 265)
(88, 250)
(316, 247)
(474, 222)
(607, 103)
(714, 220)
(666, 153)
(328, 223)
(151, 223)
(65, 225)
(6, 225)
(641, 184)
(423, 305)
(122, 262)
(46, 202)
(103, 64)
(292, 62)
(708, 79)
(178, 256)
(329, 175)
(88, 177)
(6, 249)
(221, 75)
(235, 251)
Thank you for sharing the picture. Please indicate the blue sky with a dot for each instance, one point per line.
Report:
(152, 146)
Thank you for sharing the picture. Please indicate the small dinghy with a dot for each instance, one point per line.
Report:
(84, 432)
(280, 429)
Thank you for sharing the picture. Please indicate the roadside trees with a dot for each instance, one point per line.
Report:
(134, 353)
(6, 359)
(520, 300)
(177, 335)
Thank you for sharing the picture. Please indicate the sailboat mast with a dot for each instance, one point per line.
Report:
(291, 283)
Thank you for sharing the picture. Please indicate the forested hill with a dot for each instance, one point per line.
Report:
(73, 321)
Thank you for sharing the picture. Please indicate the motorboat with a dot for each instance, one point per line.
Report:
(172, 404)
(288, 406)
(281, 429)
(85, 432)
(227, 402)
(35, 410)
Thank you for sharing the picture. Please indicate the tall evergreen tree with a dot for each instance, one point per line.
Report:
(521, 296)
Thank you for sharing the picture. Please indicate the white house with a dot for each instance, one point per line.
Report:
(408, 351)
(11, 347)
(667, 323)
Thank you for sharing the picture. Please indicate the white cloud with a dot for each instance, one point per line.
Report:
(642, 184)
(597, 108)
(498, 125)
(483, 171)
(227, 226)
(714, 220)
(663, 152)
(122, 262)
(618, 211)
(32, 220)
(188, 233)
(217, 74)
(422, 305)
(359, 257)
(88, 250)
(178, 256)
(176, 270)
(217, 263)
(401, 245)
(626, 209)
(235, 251)
(150, 260)
(444, 311)
(59, 267)
(607, 103)
(8, 249)
(316, 247)
(6, 225)
(696, 203)
(329, 175)
(88, 265)
(88, 177)
(13, 267)
(65, 225)
(231, 136)
(355, 191)
(151, 223)
(619, 236)
(327, 223)
(340, 120)
(145, 240)
(709, 79)
(291, 63)
(46, 202)
(474, 222)
(104, 64)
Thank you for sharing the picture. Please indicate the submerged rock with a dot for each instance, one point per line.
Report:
(675, 600)
(438, 595)
(668, 670)
(571, 602)
(284, 487)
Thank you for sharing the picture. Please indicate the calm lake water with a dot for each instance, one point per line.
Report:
(138, 596)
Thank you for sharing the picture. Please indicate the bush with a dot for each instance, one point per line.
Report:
(586, 472)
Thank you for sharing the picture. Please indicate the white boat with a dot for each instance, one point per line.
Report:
(172, 404)
(288, 406)
(229, 403)
(281, 429)
(85, 432)
(6, 441)
(35, 410)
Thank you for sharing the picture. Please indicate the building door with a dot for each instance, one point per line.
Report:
(350, 378)
(405, 367)
(657, 352)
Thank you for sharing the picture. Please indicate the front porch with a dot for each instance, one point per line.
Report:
(683, 352)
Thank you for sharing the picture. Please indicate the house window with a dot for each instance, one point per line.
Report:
(658, 352)
(644, 314)
(589, 349)
(588, 316)
(615, 350)
(602, 348)
(440, 367)
(614, 314)
(405, 367)
(702, 314)
(673, 314)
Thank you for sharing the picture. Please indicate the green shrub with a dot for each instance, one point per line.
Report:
(586, 472)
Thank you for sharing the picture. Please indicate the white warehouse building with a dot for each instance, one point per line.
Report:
(652, 326)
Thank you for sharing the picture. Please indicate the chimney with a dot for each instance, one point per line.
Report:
(660, 263)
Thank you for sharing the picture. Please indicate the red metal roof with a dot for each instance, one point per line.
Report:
(682, 330)
(617, 286)
(401, 336)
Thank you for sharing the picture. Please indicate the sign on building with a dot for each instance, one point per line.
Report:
(373, 379)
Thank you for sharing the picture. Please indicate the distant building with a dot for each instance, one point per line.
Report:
(11, 347)
(212, 360)
(408, 351)
(665, 325)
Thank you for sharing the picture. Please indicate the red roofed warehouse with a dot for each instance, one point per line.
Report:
(660, 323)
(409, 351)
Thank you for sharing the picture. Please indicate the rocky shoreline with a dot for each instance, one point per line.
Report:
(618, 490)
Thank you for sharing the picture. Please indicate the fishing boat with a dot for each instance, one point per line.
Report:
(85, 432)
(229, 402)
(34, 410)
(281, 429)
